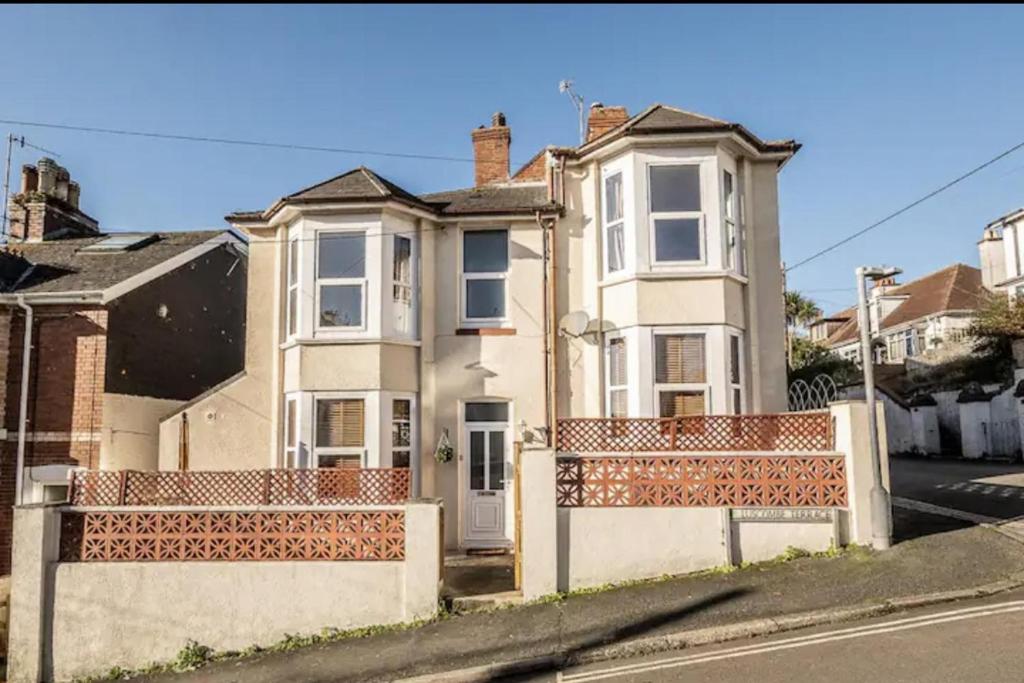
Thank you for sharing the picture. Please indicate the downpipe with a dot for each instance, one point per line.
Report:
(26, 364)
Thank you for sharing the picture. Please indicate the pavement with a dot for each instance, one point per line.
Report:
(940, 560)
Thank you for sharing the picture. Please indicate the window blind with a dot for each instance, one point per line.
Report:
(340, 423)
(617, 362)
(681, 403)
(679, 359)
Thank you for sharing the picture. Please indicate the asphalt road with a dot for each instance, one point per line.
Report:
(966, 641)
(985, 488)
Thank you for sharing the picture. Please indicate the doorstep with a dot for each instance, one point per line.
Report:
(466, 604)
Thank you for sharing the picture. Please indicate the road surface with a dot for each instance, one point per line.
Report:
(972, 641)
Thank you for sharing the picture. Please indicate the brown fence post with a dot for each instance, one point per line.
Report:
(266, 487)
(122, 486)
(517, 481)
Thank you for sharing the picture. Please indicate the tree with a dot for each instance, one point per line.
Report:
(810, 359)
(998, 324)
(800, 312)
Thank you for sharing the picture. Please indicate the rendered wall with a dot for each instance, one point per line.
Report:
(131, 431)
(607, 545)
(71, 620)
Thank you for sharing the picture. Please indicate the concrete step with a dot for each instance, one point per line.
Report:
(465, 604)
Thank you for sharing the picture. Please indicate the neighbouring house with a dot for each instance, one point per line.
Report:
(1002, 254)
(923, 320)
(635, 275)
(123, 328)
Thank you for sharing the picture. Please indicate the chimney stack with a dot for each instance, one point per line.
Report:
(491, 151)
(602, 119)
(29, 179)
(47, 206)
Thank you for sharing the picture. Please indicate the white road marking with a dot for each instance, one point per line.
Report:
(800, 641)
(943, 511)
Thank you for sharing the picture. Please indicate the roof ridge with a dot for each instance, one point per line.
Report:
(377, 181)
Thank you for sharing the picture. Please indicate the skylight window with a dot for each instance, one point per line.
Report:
(124, 241)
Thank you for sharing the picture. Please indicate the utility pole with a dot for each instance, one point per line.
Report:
(11, 139)
(881, 510)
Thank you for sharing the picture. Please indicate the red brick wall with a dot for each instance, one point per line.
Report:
(603, 119)
(535, 170)
(65, 407)
(491, 154)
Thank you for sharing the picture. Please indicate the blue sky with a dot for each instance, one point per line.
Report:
(890, 102)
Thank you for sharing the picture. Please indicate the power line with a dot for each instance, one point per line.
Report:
(239, 142)
(908, 207)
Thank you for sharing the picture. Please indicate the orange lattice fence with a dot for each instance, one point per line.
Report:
(162, 536)
(328, 486)
(786, 432)
(702, 481)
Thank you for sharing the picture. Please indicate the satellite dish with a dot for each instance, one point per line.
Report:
(575, 323)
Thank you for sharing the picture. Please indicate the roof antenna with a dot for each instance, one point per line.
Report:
(577, 101)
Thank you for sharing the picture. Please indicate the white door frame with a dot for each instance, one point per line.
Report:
(465, 496)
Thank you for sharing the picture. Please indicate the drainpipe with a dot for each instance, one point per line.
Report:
(26, 362)
(547, 333)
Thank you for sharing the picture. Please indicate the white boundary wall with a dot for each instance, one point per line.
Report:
(78, 619)
(592, 546)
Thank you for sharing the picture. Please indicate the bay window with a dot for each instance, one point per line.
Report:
(617, 397)
(680, 374)
(339, 438)
(676, 218)
(485, 261)
(614, 223)
(341, 279)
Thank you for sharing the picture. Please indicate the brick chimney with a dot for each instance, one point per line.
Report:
(602, 119)
(491, 151)
(47, 206)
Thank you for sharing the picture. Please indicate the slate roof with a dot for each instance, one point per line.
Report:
(62, 266)
(660, 119)
(954, 288)
(511, 198)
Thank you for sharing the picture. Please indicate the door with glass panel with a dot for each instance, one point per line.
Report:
(486, 457)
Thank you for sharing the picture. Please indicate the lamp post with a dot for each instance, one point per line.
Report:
(881, 510)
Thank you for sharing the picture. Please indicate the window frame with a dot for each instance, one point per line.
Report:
(740, 385)
(700, 216)
(320, 282)
(465, 278)
(607, 227)
(396, 284)
(293, 283)
(411, 448)
(316, 451)
(732, 226)
(611, 388)
(292, 407)
(659, 387)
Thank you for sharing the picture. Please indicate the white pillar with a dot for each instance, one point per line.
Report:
(539, 520)
(35, 546)
(975, 422)
(424, 557)
(851, 438)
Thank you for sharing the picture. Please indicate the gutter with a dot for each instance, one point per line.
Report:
(26, 362)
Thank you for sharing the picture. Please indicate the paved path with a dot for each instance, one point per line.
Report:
(971, 641)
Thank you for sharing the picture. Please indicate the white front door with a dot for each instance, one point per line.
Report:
(487, 455)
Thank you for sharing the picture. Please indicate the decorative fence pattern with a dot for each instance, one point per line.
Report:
(701, 481)
(794, 432)
(96, 536)
(374, 486)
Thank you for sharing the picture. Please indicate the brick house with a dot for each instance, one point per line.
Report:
(125, 327)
